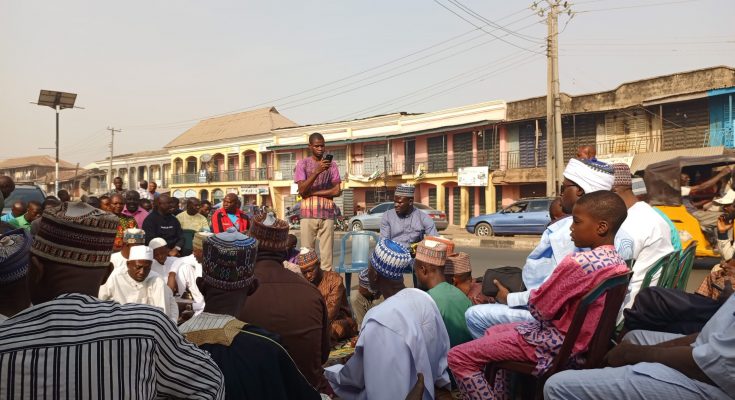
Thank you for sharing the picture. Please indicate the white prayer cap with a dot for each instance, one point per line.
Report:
(140, 253)
(591, 176)
(156, 243)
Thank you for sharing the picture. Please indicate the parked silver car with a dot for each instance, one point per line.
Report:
(370, 221)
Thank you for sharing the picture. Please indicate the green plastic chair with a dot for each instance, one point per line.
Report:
(670, 272)
(188, 246)
(661, 265)
(685, 266)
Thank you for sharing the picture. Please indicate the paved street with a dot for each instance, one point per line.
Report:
(481, 258)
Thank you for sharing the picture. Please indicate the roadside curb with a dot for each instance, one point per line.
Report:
(516, 243)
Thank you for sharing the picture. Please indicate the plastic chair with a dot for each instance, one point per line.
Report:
(669, 274)
(614, 289)
(188, 246)
(360, 254)
(685, 266)
(662, 265)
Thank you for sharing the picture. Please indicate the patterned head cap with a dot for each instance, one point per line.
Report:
(364, 280)
(622, 175)
(199, 238)
(229, 260)
(432, 252)
(590, 175)
(14, 247)
(307, 258)
(390, 259)
(134, 236)
(458, 263)
(76, 233)
(272, 234)
(405, 191)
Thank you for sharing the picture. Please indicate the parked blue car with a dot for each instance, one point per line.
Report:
(524, 217)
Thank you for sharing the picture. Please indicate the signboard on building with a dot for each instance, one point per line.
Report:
(619, 158)
(231, 190)
(249, 190)
(472, 176)
(203, 176)
(263, 190)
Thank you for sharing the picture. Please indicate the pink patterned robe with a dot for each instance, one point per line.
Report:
(553, 306)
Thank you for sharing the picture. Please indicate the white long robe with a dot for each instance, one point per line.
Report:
(187, 271)
(401, 337)
(152, 291)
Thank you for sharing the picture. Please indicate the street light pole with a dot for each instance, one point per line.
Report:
(58, 101)
(56, 184)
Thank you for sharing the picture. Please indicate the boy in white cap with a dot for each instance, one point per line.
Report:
(139, 285)
(401, 338)
(580, 177)
(162, 262)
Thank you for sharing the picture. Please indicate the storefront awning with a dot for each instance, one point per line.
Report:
(643, 160)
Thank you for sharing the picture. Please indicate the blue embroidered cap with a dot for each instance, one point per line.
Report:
(390, 259)
(229, 260)
(14, 248)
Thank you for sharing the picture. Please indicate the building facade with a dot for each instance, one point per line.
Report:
(253, 154)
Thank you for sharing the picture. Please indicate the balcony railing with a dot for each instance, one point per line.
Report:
(244, 175)
(634, 145)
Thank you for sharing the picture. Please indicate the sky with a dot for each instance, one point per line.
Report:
(154, 68)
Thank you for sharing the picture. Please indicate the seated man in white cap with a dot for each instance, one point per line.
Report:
(70, 260)
(646, 229)
(252, 360)
(188, 269)
(139, 284)
(162, 262)
(580, 177)
(400, 338)
(405, 224)
(638, 188)
(131, 237)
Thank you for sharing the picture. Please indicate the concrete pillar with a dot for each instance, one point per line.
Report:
(464, 205)
(441, 192)
(490, 197)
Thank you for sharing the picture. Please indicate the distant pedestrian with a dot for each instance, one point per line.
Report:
(19, 208)
(587, 152)
(176, 206)
(105, 203)
(152, 194)
(132, 207)
(190, 219)
(161, 223)
(146, 204)
(143, 190)
(229, 215)
(32, 213)
(117, 203)
(63, 195)
(118, 186)
(7, 186)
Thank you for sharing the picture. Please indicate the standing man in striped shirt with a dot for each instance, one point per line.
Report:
(319, 183)
(70, 344)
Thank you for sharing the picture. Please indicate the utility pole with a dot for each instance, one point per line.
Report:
(554, 143)
(112, 143)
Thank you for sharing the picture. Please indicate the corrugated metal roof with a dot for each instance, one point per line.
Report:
(43, 161)
(641, 161)
(232, 126)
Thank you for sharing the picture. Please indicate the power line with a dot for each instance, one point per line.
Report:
(440, 83)
(495, 25)
(394, 75)
(274, 101)
(637, 6)
(479, 27)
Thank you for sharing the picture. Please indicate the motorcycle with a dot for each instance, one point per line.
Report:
(293, 217)
(340, 224)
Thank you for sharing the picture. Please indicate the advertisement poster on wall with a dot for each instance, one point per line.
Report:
(472, 176)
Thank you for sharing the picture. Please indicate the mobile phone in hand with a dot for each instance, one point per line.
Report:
(329, 157)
